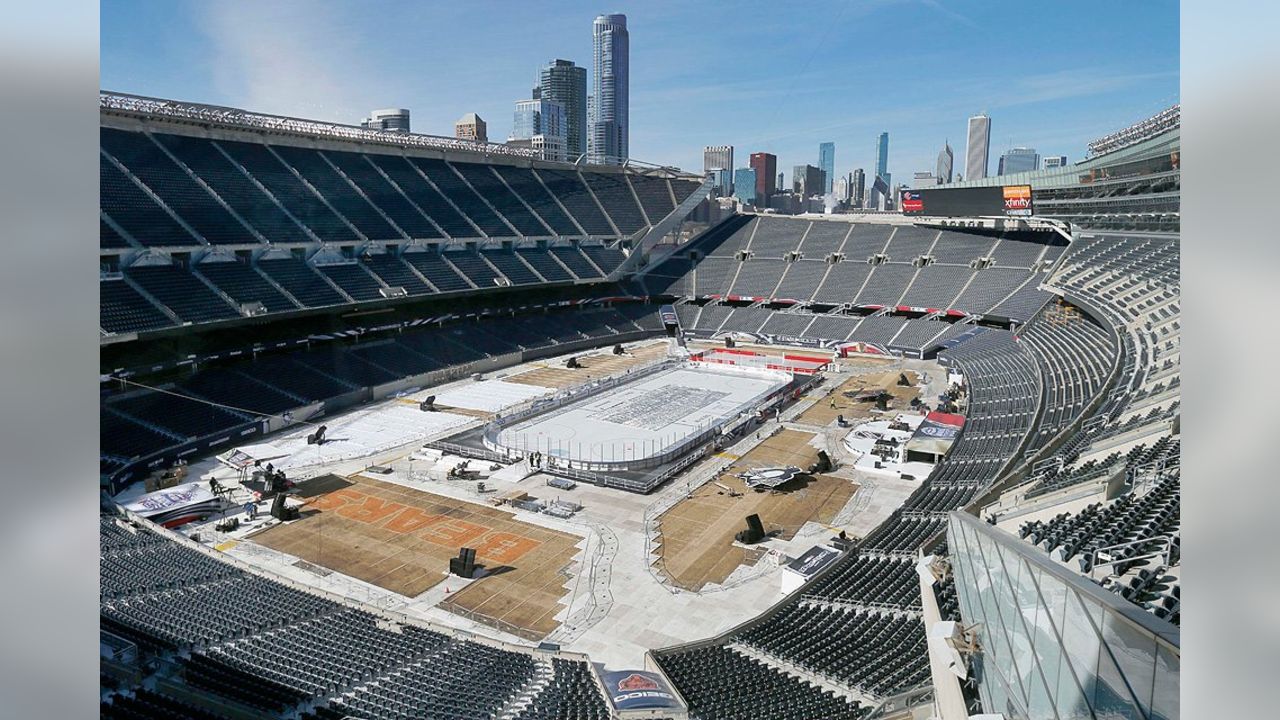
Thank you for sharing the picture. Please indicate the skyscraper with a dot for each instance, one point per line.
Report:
(946, 160)
(563, 82)
(542, 123)
(1019, 159)
(611, 72)
(766, 167)
(1055, 161)
(975, 156)
(882, 156)
(471, 127)
(719, 157)
(782, 183)
(827, 162)
(859, 187)
(807, 180)
(744, 185)
(394, 119)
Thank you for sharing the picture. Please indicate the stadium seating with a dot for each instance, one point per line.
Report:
(614, 193)
(460, 194)
(524, 183)
(182, 194)
(243, 284)
(398, 208)
(256, 643)
(721, 684)
(577, 200)
(237, 190)
(136, 212)
(424, 196)
(144, 704)
(654, 195)
(265, 167)
(122, 309)
(354, 280)
(302, 281)
(491, 187)
(394, 272)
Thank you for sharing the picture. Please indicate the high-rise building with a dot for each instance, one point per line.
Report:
(766, 167)
(859, 187)
(744, 185)
(979, 146)
(1019, 159)
(542, 123)
(471, 127)
(563, 82)
(393, 119)
(807, 180)
(611, 73)
(827, 163)
(882, 156)
(924, 180)
(719, 157)
(946, 160)
(1054, 161)
(781, 182)
(840, 188)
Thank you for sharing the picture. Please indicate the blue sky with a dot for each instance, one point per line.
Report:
(777, 77)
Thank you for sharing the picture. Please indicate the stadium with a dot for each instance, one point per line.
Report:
(401, 426)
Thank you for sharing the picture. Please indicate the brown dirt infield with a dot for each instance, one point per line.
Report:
(822, 413)
(401, 539)
(555, 375)
(697, 534)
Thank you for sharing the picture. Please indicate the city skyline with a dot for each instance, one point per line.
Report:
(237, 54)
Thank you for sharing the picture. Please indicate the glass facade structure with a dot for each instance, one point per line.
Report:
(610, 109)
(1019, 159)
(744, 185)
(882, 156)
(827, 162)
(1053, 644)
(563, 82)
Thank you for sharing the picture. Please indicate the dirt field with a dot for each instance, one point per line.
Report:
(697, 534)
(401, 539)
(556, 375)
(822, 413)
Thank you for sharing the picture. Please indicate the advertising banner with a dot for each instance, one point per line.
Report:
(1008, 201)
(639, 690)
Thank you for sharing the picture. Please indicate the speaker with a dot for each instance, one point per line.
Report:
(572, 363)
(617, 349)
(754, 532)
(464, 566)
(280, 512)
(728, 342)
(428, 405)
(823, 464)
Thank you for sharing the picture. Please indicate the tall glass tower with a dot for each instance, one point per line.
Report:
(882, 156)
(610, 91)
(827, 162)
(563, 82)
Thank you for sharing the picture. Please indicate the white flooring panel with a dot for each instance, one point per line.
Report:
(487, 395)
